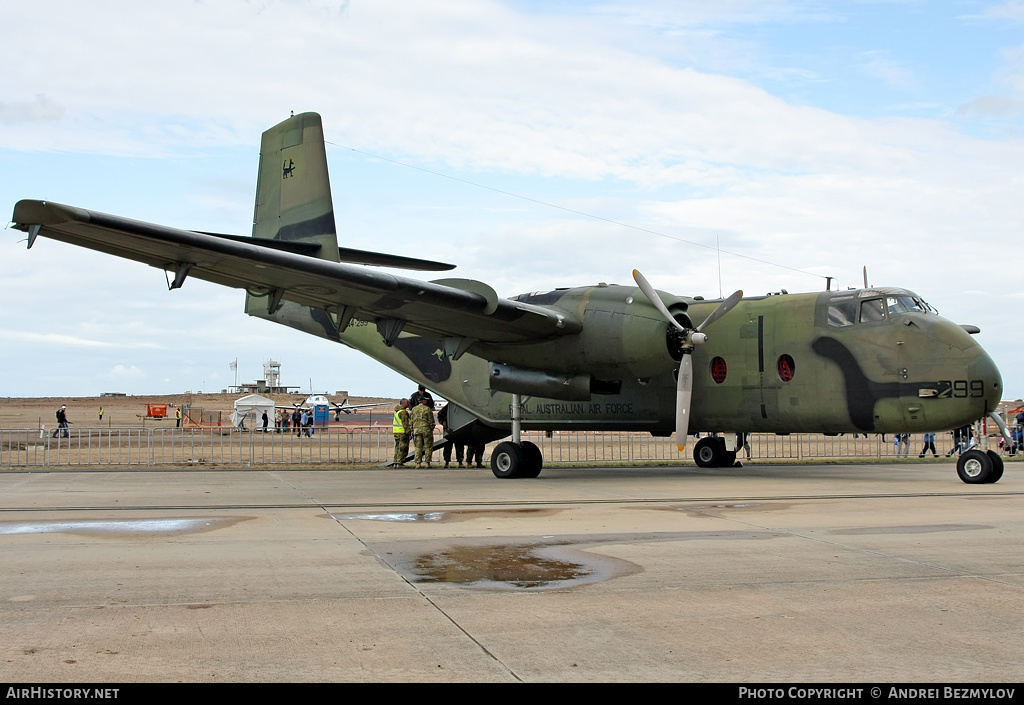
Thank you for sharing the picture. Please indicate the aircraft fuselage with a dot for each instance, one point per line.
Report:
(870, 360)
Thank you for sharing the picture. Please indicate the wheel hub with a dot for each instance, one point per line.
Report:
(972, 468)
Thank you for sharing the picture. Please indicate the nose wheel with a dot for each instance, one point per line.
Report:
(977, 468)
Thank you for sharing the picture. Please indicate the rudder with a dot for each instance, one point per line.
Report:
(293, 190)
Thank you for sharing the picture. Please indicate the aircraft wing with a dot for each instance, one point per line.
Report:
(350, 408)
(447, 307)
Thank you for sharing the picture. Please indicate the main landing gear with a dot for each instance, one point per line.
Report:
(710, 452)
(516, 458)
(977, 467)
(511, 460)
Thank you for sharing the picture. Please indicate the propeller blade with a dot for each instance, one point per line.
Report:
(684, 391)
(684, 382)
(652, 295)
(723, 308)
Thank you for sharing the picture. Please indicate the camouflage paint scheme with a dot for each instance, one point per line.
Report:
(593, 357)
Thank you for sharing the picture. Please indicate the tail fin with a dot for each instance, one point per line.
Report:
(293, 193)
(293, 202)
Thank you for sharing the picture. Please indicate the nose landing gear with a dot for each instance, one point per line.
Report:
(977, 467)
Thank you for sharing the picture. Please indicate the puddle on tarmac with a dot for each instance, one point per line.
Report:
(545, 564)
(392, 516)
(919, 529)
(516, 567)
(449, 515)
(123, 527)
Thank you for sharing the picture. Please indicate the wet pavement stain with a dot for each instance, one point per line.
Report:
(511, 566)
(448, 515)
(408, 517)
(516, 564)
(119, 527)
(716, 510)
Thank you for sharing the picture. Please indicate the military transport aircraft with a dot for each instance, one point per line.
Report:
(601, 357)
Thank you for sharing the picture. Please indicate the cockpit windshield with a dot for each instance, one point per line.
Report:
(852, 310)
(903, 304)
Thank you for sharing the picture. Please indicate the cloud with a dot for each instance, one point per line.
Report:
(992, 105)
(122, 373)
(39, 109)
(1012, 10)
(894, 73)
(62, 341)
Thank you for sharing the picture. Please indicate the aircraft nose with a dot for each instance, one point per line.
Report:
(984, 368)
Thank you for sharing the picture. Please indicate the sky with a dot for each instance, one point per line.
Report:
(743, 144)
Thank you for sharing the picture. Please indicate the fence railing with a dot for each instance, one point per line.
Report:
(369, 445)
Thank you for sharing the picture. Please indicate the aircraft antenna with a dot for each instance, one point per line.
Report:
(718, 244)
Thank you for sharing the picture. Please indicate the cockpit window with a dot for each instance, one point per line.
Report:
(843, 313)
(872, 310)
(903, 304)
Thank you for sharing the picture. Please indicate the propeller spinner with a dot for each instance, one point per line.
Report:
(691, 337)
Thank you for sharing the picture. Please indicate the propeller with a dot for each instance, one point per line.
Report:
(691, 337)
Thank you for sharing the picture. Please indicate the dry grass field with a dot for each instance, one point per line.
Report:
(127, 412)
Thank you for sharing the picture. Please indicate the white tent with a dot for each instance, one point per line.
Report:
(250, 403)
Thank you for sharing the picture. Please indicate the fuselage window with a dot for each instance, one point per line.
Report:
(787, 368)
(872, 310)
(719, 370)
(843, 313)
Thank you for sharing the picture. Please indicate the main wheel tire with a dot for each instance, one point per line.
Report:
(997, 467)
(974, 467)
(534, 459)
(709, 452)
(508, 461)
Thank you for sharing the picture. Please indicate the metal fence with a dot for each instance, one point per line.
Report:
(374, 445)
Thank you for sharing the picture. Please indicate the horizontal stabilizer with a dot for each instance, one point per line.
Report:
(297, 246)
(345, 254)
(382, 260)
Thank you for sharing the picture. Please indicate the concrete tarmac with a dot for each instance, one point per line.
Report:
(811, 573)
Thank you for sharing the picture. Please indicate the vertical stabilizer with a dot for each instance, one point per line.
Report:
(293, 192)
(293, 200)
